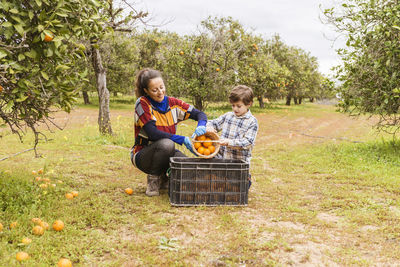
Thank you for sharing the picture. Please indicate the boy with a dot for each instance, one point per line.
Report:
(239, 127)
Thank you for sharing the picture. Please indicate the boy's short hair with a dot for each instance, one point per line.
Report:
(241, 93)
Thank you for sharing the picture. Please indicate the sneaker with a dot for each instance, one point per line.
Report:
(153, 185)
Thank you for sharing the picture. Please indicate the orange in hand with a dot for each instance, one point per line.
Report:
(206, 152)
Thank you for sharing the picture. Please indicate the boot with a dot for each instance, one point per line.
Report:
(153, 185)
(164, 182)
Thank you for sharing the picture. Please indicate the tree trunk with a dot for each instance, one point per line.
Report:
(295, 100)
(312, 99)
(300, 100)
(260, 100)
(104, 95)
(115, 93)
(198, 103)
(288, 99)
(86, 99)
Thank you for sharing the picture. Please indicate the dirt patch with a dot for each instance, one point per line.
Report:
(305, 254)
(329, 218)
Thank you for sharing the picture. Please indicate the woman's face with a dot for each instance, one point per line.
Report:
(156, 89)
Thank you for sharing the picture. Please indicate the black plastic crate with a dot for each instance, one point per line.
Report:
(210, 182)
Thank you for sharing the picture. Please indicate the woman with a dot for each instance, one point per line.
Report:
(156, 119)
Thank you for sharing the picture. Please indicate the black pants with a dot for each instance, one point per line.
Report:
(154, 158)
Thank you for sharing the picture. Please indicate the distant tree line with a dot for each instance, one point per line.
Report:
(205, 65)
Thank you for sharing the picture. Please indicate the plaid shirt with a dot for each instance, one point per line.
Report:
(241, 132)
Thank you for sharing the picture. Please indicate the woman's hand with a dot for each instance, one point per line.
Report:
(200, 130)
(188, 144)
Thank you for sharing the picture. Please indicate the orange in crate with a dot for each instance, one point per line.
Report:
(207, 145)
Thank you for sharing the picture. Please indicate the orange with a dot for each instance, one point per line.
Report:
(129, 191)
(21, 256)
(38, 230)
(197, 145)
(64, 263)
(48, 38)
(217, 69)
(26, 241)
(207, 144)
(40, 171)
(211, 148)
(13, 225)
(36, 221)
(38, 178)
(58, 225)
(201, 138)
(181, 53)
(1, 88)
(75, 193)
(198, 50)
(43, 186)
(200, 150)
(206, 152)
(69, 195)
(1, 227)
(44, 225)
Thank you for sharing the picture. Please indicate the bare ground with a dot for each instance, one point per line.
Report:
(266, 229)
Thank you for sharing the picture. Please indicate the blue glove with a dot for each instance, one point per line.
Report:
(200, 130)
(188, 144)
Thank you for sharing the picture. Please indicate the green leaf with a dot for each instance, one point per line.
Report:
(21, 57)
(14, 11)
(22, 98)
(30, 14)
(49, 52)
(2, 54)
(9, 107)
(44, 75)
(38, 2)
(19, 29)
(62, 15)
(6, 24)
(396, 27)
(62, 67)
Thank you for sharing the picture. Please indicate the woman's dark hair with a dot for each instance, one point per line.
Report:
(143, 78)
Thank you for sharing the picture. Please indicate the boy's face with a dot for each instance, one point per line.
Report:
(239, 108)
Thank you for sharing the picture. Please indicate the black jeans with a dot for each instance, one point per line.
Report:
(154, 158)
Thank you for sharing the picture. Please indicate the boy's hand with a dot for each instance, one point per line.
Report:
(224, 142)
(211, 129)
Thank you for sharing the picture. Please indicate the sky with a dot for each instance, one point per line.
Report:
(296, 21)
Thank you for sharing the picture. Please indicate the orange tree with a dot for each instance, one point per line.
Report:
(37, 58)
(204, 66)
(121, 57)
(369, 75)
(259, 70)
(302, 75)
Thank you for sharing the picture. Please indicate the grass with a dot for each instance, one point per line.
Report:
(313, 201)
